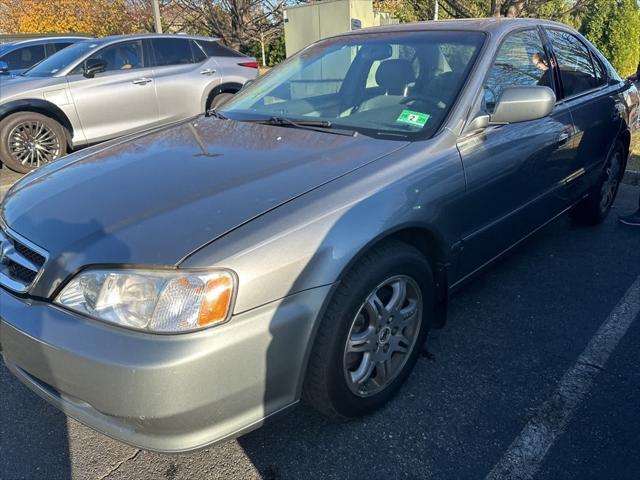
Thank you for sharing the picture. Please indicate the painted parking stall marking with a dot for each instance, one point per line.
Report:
(524, 456)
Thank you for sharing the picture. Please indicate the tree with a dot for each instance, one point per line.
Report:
(96, 17)
(614, 27)
(237, 22)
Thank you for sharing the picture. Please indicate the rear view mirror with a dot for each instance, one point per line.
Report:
(94, 66)
(521, 104)
(4, 68)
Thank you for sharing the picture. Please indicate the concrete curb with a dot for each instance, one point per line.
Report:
(631, 177)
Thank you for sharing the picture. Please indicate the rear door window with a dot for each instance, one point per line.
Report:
(198, 54)
(24, 57)
(521, 61)
(172, 51)
(574, 62)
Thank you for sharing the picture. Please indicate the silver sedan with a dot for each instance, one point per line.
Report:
(179, 287)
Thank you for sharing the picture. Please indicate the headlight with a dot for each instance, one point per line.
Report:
(152, 300)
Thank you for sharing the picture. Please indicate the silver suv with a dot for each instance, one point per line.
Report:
(96, 90)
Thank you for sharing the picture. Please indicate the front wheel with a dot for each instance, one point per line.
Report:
(371, 334)
(29, 140)
(595, 207)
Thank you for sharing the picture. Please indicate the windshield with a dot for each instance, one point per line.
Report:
(62, 59)
(400, 85)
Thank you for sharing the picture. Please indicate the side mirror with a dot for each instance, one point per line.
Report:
(94, 66)
(521, 104)
(4, 68)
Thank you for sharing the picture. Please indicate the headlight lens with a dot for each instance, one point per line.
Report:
(153, 300)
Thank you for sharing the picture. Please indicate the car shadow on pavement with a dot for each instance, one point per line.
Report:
(33, 434)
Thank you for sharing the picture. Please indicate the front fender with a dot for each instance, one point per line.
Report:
(312, 240)
(41, 106)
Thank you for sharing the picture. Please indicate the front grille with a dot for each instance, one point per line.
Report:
(20, 261)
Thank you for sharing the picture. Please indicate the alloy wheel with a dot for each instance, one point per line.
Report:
(382, 335)
(33, 143)
(611, 181)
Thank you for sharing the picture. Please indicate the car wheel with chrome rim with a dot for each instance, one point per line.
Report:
(29, 140)
(371, 333)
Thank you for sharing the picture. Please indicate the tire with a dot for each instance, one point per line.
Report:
(20, 130)
(329, 385)
(596, 206)
(219, 100)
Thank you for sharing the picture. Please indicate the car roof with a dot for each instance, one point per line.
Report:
(491, 24)
(137, 36)
(40, 40)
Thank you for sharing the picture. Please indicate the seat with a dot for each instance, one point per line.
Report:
(394, 77)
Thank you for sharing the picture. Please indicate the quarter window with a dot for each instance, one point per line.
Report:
(521, 61)
(216, 49)
(574, 61)
(24, 57)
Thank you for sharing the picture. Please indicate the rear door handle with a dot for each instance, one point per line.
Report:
(207, 71)
(142, 81)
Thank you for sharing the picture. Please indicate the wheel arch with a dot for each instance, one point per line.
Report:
(226, 87)
(431, 245)
(43, 107)
(428, 242)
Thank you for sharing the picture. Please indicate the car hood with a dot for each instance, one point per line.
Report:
(12, 85)
(155, 198)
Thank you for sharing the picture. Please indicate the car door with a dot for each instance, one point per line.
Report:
(592, 103)
(119, 100)
(515, 172)
(183, 76)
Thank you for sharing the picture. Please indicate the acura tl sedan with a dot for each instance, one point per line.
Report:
(180, 287)
(99, 89)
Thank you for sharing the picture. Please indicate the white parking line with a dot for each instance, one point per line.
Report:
(525, 455)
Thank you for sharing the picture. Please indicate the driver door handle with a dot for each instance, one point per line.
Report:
(142, 81)
(207, 71)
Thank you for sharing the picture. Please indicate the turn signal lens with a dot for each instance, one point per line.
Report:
(216, 301)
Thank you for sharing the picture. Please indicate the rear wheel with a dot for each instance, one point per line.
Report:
(29, 140)
(595, 208)
(219, 100)
(371, 334)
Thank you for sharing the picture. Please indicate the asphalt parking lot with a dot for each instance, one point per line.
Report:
(502, 367)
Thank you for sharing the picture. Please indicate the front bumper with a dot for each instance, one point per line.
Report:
(167, 393)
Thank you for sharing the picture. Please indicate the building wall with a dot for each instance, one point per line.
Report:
(309, 23)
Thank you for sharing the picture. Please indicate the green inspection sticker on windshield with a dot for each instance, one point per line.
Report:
(416, 119)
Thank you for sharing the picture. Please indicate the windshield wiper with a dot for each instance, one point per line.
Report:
(212, 112)
(316, 125)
